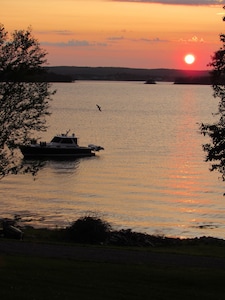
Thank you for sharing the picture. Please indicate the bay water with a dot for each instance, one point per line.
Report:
(151, 177)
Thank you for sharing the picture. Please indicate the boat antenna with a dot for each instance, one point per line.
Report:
(67, 132)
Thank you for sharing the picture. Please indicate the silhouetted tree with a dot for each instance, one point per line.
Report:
(216, 131)
(89, 229)
(23, 105)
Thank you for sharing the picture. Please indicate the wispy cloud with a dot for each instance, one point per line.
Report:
(154, 40)
(109, 42)
(146, 40)
(74, 43)
(115, 38)
(178, 2)
(193, 39)
(58, 32)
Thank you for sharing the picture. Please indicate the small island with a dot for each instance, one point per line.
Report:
(150, 81)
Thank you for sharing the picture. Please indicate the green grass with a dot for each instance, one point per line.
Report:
(40, 278)
(197, 250)
(28, 278)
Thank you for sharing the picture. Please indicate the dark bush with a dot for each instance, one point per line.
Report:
(89, 230)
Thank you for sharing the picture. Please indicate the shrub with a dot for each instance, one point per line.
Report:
(89, 230)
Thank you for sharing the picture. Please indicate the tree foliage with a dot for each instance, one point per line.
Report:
(216, 131)
(24, 104)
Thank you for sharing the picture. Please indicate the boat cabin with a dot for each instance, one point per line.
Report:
(64, 139)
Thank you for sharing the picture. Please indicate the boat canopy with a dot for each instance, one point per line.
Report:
(64, 140)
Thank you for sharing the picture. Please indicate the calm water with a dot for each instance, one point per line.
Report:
(151, 177)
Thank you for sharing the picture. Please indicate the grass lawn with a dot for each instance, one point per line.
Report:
(30, 277)
(41, 278)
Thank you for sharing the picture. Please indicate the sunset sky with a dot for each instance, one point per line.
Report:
(121, 33)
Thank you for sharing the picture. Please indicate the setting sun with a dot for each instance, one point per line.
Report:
(189, 59)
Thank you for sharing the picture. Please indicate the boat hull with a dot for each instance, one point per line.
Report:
(38, 152)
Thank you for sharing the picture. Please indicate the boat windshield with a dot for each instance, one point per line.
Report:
(56, 139)
(65, 140)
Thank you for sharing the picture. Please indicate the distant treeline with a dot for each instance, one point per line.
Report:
(130, 74)
(193, 80)
(46, 76)
(70, 74)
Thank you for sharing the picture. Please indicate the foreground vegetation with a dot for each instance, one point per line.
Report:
(36, 277)
(94, 230)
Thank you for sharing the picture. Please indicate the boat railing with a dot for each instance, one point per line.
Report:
(43, 144)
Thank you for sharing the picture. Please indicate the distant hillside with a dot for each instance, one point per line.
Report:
(113, 73)
(70, 74)
(25, 76)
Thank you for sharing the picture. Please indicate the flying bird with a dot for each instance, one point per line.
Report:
(99, 107)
